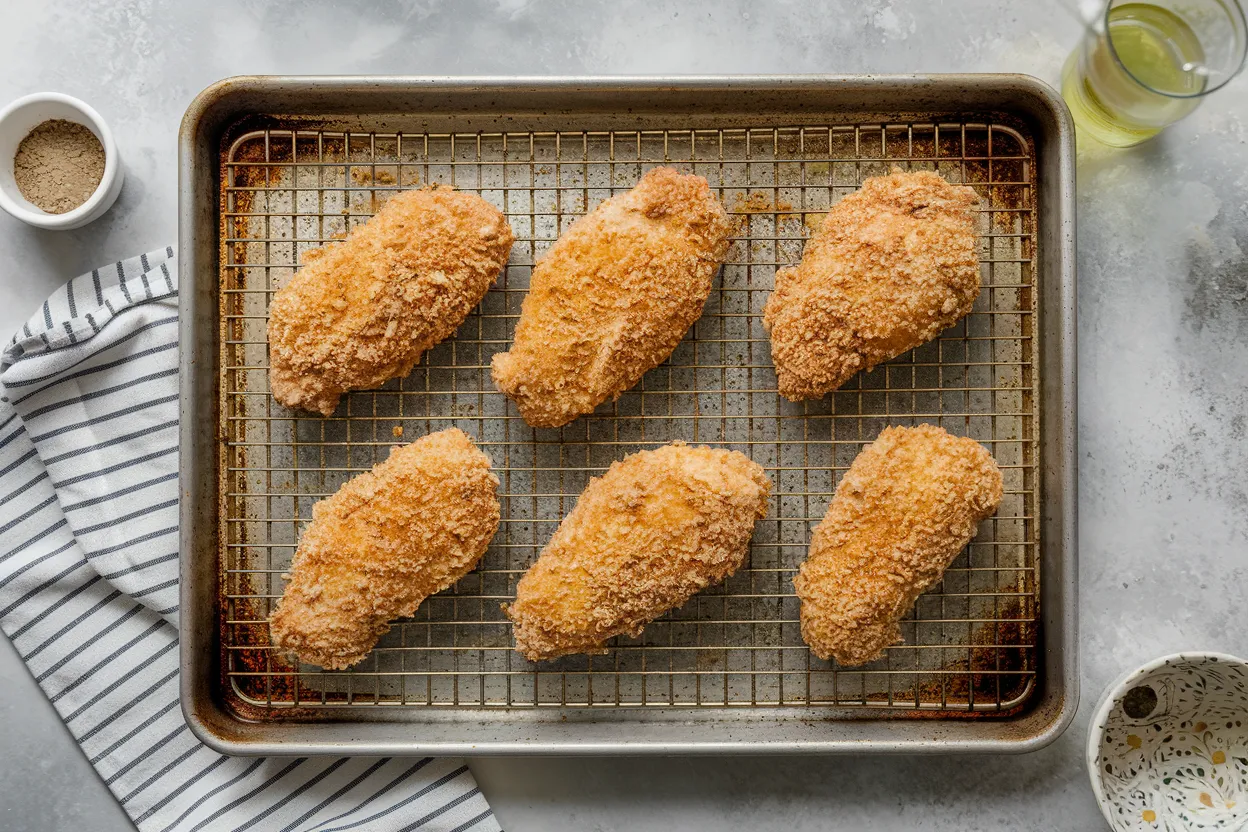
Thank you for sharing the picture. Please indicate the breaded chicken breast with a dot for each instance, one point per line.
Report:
(903, 511)
(613, 297)
(363, 311)
(382, 544)
(657, 527)
(893, 264)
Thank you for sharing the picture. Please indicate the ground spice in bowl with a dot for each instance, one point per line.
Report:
(59, 165)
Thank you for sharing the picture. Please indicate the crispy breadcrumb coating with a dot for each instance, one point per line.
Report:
(657, 527)
(382, 544)
(613, 297)
(903, 511)
(363, 311)
(893, 265)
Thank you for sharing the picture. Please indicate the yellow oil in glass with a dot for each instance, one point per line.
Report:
(1150, 77)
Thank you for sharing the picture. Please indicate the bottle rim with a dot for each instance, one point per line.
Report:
(1237, 19)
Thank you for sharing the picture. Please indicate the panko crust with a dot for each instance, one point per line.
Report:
(613, 297)
(893, 265)
(656, 528)
(909, 503)
(381, 544)
(363, 311)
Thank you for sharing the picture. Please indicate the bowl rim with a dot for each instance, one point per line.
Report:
(1114, 691)
(76, 216)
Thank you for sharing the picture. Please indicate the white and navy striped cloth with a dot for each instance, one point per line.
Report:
(89, 580)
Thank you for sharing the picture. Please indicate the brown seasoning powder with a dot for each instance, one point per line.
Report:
(58, 165)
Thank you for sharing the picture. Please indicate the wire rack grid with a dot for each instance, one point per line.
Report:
(970, 643)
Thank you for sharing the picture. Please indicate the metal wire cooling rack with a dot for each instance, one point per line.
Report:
(970, 644)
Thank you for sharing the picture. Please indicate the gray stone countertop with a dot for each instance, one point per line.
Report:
(1163, 339)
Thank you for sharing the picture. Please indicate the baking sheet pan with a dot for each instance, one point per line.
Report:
(292, 163)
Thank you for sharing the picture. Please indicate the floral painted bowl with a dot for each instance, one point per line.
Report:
(1168, 746)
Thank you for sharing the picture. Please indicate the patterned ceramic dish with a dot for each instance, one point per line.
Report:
(1168, 746)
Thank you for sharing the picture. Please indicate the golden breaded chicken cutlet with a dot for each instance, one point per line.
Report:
(383, 543)
(656, 528)
(892, 265)
(908, 504)
(613, 297)
(363, 311)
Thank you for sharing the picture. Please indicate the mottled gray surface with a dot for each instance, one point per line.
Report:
(1163, 256)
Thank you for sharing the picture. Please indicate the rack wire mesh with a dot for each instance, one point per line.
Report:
(970, 643)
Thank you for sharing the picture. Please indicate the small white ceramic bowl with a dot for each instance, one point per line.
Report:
(1168, 745)
(16, 122)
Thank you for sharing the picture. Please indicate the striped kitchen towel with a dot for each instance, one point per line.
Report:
(89, 579)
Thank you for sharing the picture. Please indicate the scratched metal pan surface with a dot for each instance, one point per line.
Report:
(272, 167)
